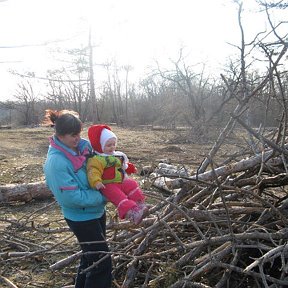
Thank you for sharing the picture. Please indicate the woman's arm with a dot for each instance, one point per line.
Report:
(63, 182)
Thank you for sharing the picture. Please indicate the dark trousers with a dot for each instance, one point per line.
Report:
(89, 231)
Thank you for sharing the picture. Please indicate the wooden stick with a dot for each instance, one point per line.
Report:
(8, 282)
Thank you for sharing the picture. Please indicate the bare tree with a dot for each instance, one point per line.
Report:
(188, 82)
(242, 93)
(127, 69)
(95, 112)
(113, 94)
(70, 87)
(27, 100)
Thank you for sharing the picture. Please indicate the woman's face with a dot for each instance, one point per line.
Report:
(70, 140)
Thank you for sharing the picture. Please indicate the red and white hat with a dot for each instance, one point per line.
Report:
(99, 135)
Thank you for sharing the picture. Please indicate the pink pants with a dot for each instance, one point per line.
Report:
(123, 195)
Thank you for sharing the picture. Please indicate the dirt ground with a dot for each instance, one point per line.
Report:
(22, 154)
(23, 150)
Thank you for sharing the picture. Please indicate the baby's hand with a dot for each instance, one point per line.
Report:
(99, 186)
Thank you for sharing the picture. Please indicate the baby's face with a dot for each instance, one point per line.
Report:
(110, 146)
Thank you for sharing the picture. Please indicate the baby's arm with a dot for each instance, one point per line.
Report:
(95, 170)
(128, 167)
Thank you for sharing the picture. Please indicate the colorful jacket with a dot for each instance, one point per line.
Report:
(66, 177)
(105, 169)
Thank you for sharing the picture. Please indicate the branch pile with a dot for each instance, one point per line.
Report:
(226, 226)
(219, 229)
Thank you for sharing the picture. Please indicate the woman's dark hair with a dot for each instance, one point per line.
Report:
(64, 121)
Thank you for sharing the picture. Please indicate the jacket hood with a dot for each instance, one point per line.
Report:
(77, 160)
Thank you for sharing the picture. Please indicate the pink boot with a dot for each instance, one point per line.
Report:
(144, 208)
(135, 215)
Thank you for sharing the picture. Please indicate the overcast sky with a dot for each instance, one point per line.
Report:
(134, 32)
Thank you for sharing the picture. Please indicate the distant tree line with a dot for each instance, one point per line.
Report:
(180, 96)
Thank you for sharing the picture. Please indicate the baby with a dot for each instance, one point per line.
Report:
(108, 170)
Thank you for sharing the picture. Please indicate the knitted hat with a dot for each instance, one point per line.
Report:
(99, 135)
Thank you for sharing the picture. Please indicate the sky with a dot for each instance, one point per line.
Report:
(132, 32)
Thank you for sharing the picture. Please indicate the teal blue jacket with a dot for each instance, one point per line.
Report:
(66, 177)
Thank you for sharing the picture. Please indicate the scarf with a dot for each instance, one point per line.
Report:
(77, 160)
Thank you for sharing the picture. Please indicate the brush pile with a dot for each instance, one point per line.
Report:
(225, 227)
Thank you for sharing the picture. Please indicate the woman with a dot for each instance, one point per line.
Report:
(83, 208)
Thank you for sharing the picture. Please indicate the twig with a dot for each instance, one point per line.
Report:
(8, 282)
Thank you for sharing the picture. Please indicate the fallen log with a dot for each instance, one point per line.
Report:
(24, 192)
(222, 171)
